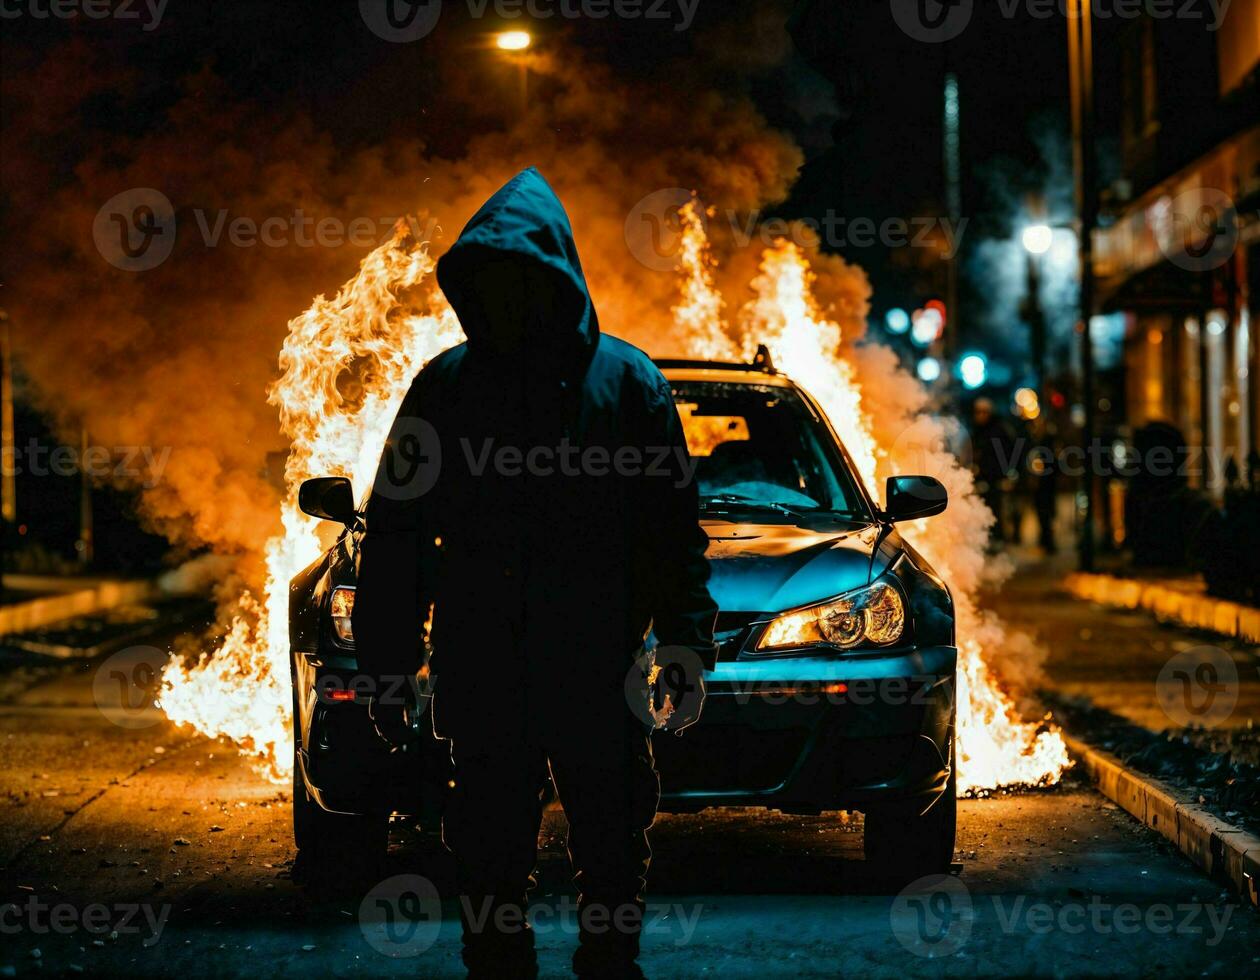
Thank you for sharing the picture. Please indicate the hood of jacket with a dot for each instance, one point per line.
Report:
(524, 223)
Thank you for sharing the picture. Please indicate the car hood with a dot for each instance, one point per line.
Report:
(772, 567)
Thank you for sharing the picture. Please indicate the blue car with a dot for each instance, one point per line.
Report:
(834, 687)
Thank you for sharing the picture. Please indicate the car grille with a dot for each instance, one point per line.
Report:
(719, 758)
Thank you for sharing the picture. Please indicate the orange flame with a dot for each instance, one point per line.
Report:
(345, 367)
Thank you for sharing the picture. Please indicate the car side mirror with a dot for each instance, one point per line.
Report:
(330, 498)
(908, 498)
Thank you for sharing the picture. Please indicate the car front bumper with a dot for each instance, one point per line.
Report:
(775, 732)
(810, 733)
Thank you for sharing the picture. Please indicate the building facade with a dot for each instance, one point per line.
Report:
(1179, 257)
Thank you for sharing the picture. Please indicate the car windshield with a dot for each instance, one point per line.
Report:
(761, 447)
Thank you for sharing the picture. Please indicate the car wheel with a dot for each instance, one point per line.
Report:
(322, 835)
(903, 845)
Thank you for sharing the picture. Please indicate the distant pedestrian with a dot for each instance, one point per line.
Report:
(993, 463)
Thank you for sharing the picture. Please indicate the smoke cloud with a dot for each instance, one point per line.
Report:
(181, 355)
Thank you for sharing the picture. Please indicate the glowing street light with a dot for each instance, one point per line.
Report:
(1038, 239)
(897, 320)
(1027, 403)
(928, 324)
(513, 40)
(928, 369)
(974, 371)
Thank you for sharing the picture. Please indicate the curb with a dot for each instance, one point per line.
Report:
(1168, 603)
(1225, 852)
(21, 617)
(68, 651)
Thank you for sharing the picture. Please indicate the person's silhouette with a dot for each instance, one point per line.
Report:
(558, 535)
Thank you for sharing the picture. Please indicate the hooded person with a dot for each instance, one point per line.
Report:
(535, 492)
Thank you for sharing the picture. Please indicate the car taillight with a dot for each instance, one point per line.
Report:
(342, 608)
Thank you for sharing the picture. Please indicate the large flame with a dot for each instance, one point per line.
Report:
(346, 366)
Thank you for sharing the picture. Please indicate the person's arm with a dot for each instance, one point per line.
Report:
(389, 611)
(683, 611)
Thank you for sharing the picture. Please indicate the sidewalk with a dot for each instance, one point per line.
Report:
(1183, 601)
(55, 599)
(1159, 712)
(1116, 659)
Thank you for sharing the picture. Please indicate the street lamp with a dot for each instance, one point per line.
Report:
(514, 43)
(1038, 239)
(897, 320)
(1084, 166)
(926, 327)
(973, 369)
(513, 40)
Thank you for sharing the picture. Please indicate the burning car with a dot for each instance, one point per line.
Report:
(834, 686)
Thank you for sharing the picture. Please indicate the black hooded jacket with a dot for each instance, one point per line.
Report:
(561, 523)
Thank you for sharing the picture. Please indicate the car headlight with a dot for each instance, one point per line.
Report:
(342, 608)
(872, 616)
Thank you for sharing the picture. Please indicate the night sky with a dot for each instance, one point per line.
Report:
(871, 126)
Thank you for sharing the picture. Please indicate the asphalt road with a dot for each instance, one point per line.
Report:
(139, 849)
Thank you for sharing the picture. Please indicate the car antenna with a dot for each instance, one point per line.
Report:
(763, 360)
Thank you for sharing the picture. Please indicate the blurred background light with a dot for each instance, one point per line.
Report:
(1038, 239)
(513, 41)
(897, 320)
(1027, 404)
(927, 326)
(974, 370)
(929, 369)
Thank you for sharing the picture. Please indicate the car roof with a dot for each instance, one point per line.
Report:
(722, 372)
